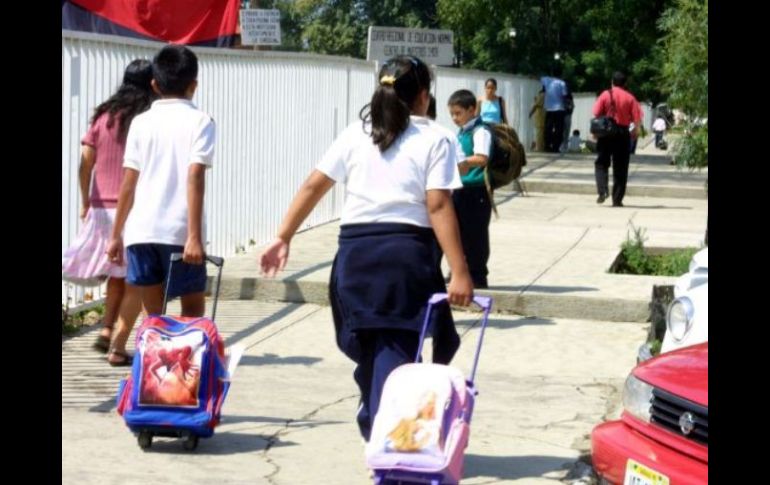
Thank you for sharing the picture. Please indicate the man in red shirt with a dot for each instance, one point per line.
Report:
(624, 108)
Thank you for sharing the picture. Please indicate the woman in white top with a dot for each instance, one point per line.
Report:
(398, 174)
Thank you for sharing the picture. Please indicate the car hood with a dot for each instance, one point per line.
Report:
(683, 372)
(700, 259)
(697, 274)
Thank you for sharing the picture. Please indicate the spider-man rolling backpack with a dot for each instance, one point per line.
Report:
(179, 377)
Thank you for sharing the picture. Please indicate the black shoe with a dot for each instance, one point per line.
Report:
(125, 360)
(601, 199)
(102, 344)
(617, 204)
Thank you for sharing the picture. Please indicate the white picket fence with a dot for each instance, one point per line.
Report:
(276, 114)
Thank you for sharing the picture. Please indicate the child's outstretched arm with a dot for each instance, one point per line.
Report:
(196, 186)
(125, 203)
(274, 257)
(442, 216)
(87, 161)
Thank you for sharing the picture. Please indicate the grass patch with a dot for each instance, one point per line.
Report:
(634, 259)
(655, 346)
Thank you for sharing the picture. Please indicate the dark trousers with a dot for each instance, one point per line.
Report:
(613, 149)
(474, 211)
(658, 138)
(381, 352)
(554, 130)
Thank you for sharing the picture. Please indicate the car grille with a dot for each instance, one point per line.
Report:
(667, 409)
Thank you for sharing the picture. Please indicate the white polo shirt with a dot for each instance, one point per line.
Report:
(482, 139)
(390, 186)
(162, 143)
(452, 136)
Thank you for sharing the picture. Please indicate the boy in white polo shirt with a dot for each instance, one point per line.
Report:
(168, 149)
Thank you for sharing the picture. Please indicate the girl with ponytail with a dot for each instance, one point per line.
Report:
(398, 174)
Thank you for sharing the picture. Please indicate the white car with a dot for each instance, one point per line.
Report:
(687, 318)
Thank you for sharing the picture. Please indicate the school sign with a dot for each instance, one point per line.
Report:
(431, 46)
(260, 27)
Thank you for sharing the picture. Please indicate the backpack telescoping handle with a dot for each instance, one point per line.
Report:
(485, 302)
(215, 260)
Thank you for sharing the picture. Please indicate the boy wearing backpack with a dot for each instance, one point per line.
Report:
(472, 203)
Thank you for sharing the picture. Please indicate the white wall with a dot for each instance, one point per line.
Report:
(518, 92)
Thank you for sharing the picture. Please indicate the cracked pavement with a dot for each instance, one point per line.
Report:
(289, 417)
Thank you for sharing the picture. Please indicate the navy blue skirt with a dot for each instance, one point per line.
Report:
(382, 277)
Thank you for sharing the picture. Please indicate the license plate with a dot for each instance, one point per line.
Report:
(638, 474)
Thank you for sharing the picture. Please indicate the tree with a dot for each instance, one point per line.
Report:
(336, 30)
(612, 35)
(400, 13)
(339, 27)
(331, 27)
(685, 75)
(593, 38)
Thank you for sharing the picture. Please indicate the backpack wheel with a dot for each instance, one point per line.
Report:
(191, 442)
(144, 439)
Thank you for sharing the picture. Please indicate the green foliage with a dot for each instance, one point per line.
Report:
(649, 39)
(71, 323)
(339, 27)
(635, 260)
(692, 149)
(655, 346)
(685, 67)
(685, 76)
(593, 38)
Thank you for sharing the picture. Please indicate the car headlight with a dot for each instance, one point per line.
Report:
(679, 318)
(637, 397)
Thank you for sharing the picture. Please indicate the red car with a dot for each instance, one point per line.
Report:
(662, 436)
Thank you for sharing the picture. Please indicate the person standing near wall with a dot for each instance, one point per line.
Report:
(569, 107)
(491, 107)
(555, 94)
(538, 111)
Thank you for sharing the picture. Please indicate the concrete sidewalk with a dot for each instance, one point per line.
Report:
(545, 379)
(289, 417)
(550, 250)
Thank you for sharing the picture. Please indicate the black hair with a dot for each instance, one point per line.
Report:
(174, 68)
(619, 79)
(462, 98)
(132, 97)
(432, 108)
(401, 80)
